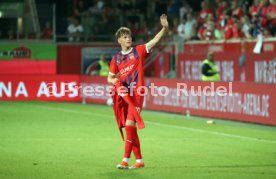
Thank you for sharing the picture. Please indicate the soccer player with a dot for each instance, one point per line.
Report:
(127, 68)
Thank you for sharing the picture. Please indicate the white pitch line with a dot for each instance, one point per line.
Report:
(89, 139)
(212, 132)
(162, 125)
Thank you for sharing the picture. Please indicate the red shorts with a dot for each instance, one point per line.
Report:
(138, 102)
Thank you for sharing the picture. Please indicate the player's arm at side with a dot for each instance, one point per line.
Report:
(113, 75)
(164, 22)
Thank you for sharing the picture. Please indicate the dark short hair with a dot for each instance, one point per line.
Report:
(122, 31)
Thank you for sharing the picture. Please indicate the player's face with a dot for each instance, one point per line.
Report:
(125, 40)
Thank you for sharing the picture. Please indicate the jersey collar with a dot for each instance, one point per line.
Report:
(124, 53)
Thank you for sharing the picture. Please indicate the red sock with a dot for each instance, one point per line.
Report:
(136, 147)
(132, 143)
(129, 140)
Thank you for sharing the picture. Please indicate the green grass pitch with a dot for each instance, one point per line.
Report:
(71, 140)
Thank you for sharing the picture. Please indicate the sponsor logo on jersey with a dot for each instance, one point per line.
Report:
(131, 56)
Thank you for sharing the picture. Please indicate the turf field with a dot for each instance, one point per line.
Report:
(70, 140)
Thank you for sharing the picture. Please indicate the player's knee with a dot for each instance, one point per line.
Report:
(130, 123)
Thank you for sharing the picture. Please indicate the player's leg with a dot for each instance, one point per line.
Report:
(132, 142)
(136, 144)
(130, 129)
(137, 151)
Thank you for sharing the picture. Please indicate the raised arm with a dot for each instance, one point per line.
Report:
(165, 25)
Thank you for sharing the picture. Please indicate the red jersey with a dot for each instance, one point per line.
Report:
(254, 10)
(203, 14)
(237, 12)
(130, 66)
(219, 12)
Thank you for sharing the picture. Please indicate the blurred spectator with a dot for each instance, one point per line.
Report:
(256, 25)
(231, 18)
(104, 21)
(79, 10)
(228, 29)
(207, 31)
(47, 31)
(184, 9)
(74, 30)
(264, 4)
(221, 24)
(175, 26)
(233, 29)
(246, 27)
(97, 8)
(103, 66)
(205, 11)
(210, 31)
(181, 28)
(200, 32)
(245, 5)
(237, 29)
(173, 9)
(219, 11)
(187, 27)
(271, 15)
(255, 8)
(236, 10)
(92, 19)
(217, 34)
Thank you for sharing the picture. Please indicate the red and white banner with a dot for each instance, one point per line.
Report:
(46, 67)
(259, 68)
(236, 61)
(233, 47)
(161, 65)
(240, 101)
(189, 66)
(95, 89)
(40, 87)
(247, 102)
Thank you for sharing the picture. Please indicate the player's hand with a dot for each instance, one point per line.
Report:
(114, 81)
(164, 21)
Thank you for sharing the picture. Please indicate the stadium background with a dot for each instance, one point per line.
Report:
(33, 55)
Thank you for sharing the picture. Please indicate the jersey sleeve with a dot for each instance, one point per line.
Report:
(113, 68)
(142, 50)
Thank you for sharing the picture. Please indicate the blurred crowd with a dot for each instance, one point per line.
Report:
(214, 20)
(97, 20)
(226, 20)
